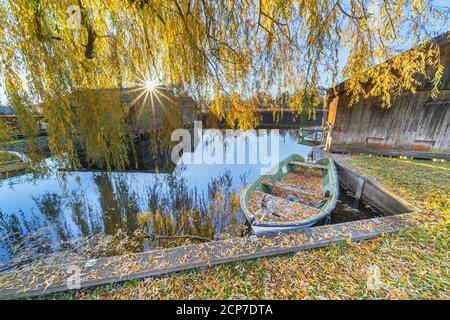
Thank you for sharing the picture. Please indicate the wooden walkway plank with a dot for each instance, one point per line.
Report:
(17, 166)
(54, 278)
(308, 165)
(390, 152)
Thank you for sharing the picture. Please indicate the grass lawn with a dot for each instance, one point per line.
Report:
(413, 264)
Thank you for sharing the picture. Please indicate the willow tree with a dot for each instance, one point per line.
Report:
(212, 50)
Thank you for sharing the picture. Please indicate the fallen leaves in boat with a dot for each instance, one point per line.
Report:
(309, 185)
(308, 180)
(282, 211)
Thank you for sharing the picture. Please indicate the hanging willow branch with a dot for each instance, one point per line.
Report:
(40, 31)
(231, 53)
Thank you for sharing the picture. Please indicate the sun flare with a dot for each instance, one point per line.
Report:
(151, 85)
(146, 87)
(149, 92)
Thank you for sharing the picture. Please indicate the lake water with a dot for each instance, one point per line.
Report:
(40, 216)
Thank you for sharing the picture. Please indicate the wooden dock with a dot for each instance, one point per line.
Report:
(55, 278)
(391, 152)
(45, 279)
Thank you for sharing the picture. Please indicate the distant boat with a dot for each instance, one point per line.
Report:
(294, 195)
(311, 136)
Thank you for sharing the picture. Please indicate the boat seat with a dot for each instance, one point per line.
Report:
(284, 186)
(283, 201)
(286, 190)
(281, 209)
(308, 165)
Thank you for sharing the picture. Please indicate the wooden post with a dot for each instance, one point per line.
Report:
(331, 121)
(358, 193)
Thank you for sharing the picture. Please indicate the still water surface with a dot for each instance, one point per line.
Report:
(194, 199)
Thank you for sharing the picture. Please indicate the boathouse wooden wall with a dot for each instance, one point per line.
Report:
(415, 125)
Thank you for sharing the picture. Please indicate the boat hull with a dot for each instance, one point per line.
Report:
(329, 183)
(269, 230)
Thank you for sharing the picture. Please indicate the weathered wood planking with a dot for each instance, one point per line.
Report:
(13, 166)
(372, 193)
(408, 126)
(358, 192)
(415, 125)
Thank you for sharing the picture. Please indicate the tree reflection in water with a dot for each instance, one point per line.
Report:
(94, 214)
(169, 212)
(175, 209)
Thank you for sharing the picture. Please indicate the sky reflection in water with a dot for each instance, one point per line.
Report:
(85, 203)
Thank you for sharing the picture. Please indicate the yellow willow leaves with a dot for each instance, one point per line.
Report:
(207, 49)
(239, 113)
(402, 73)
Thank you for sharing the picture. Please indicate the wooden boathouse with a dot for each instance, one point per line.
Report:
(415, 126)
